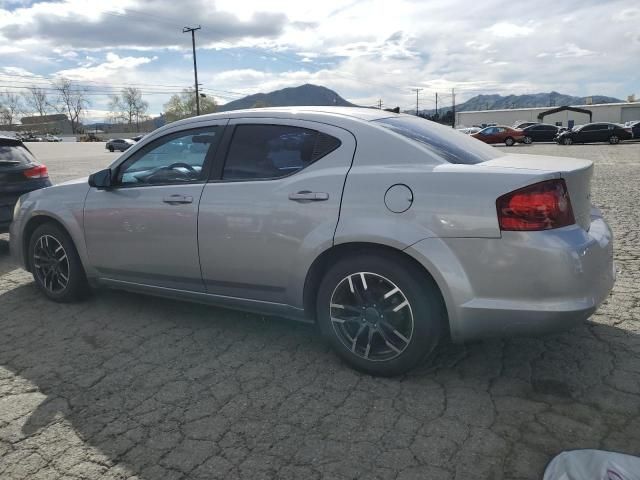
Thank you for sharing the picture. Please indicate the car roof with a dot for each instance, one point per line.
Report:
(358, 113)
(4, 140)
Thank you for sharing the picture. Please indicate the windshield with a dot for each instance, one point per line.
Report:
(444, 142)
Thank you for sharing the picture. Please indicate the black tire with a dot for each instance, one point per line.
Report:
(76, 287)
(509, 141)
(528, 140)
(614, 140)
(111, 149)
(567, 141)
(424, 307)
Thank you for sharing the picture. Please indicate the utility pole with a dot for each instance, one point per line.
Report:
(453, 108)
(436, 104)
(195, 65)
(417, 90)
(380, 104)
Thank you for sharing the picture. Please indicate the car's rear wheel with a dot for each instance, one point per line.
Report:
(567, 141)
(380, 313)
(55, 264)
(613, 140)
(509, 141)
(528, 140)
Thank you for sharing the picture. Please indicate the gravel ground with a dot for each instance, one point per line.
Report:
(125, 386)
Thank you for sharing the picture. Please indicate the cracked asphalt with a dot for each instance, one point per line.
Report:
(131, 387)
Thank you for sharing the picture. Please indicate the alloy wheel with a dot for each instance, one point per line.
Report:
(51, 264)
(614, 139)
(371, 316)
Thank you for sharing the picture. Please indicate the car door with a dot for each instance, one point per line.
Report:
(489, 135)
(144, 229)
(272, 206)
(548, 133)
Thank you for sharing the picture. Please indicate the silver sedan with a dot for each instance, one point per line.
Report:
(388, 231)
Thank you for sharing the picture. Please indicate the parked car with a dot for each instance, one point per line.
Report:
(500, 134)
(593, 133)
(523, 125)
(469, 130)
(51, 138)
(389, 231)
(633, 127)
(120, 144)
(20, 173)
(540, 132)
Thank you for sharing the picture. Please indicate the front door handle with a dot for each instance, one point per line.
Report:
(307, 196)
(177, 199)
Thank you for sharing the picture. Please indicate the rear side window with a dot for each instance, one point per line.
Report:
(274, 151)
(444, 142)
(15, 155)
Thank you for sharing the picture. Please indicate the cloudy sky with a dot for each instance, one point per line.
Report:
(364, 49)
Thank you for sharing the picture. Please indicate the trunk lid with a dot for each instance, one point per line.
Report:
(576, 173)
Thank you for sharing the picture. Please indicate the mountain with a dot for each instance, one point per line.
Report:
(307, 94)
(499, 102)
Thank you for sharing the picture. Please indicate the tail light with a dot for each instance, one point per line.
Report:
(39, 171)
(541, 206)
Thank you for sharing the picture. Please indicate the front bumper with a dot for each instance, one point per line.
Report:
(524, 283)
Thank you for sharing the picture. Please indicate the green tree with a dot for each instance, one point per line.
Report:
(183, 105)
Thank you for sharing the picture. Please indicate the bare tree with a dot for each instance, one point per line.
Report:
(72, 101)
(36, 101)
(10, 107)
(129, 106)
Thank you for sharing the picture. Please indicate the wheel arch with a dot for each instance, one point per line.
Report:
(30, 227)
(327, 258)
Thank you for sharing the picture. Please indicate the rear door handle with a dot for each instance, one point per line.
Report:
(177, 199)
(307, 196)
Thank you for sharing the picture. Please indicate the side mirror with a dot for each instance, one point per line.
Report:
(101, 179)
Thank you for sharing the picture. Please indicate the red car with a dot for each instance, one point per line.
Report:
(500, 134)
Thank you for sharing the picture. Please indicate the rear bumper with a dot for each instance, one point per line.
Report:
(9, 195)
(525, 283)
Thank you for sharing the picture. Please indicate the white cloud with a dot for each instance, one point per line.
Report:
(509, 30)
(113, 65)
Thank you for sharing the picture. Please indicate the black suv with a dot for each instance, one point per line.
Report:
(594, 132)
(540, 132)
(20, 173)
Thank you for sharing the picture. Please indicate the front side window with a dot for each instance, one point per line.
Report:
(178, 158)
(274, 151)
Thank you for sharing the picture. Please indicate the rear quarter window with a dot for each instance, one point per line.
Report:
(444, 142)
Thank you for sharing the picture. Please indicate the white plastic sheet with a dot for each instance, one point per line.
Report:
(593, 465)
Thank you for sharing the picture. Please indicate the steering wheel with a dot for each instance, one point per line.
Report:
(173, 166)
(160, 173)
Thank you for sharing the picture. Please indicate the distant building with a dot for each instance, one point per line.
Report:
(605, 112)
(57, 124)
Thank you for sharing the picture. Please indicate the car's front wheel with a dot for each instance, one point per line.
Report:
(614, 139)
(509, 141)
(111, 149)
(528, 140)
(380, 313)
(55, 264)
(567, 141)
